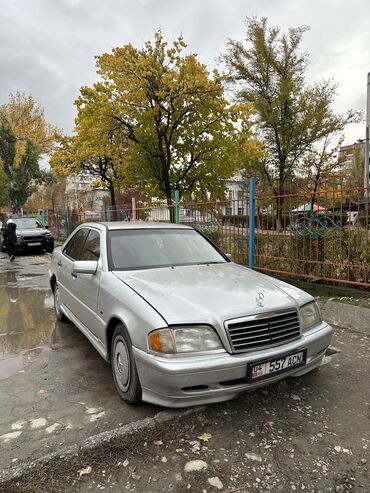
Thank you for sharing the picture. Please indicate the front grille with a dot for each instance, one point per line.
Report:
(33, 238)
(260, 332)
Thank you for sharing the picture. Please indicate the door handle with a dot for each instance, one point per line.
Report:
(59, 263)
(74, 275)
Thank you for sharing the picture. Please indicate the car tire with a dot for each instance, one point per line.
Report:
(58, 313)
(125, 376)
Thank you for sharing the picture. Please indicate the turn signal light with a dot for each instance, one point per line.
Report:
(161, 341)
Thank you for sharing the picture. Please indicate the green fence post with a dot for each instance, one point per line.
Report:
(177, 206)
(105, 213)
(252, 211)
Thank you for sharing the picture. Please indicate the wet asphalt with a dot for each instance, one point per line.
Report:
(54, 387)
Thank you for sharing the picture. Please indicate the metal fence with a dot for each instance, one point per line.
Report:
(317, 236)
(321, 235)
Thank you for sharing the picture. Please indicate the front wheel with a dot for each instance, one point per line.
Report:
(125, 376)
(58, 312)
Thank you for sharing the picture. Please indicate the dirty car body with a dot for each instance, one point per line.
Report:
(179, 322)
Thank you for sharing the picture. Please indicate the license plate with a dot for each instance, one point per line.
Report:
(266, 368)
(35, 243)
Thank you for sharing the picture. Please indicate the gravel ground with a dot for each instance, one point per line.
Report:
(308, 434)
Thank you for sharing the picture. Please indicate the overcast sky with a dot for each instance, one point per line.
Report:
(47, 47)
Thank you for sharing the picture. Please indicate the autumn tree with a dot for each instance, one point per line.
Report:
(4, 182)
(181, 132)
(269, 69)
(25, 137)
(321, 168)
(20, 170)
(95, 148)
(50, 194)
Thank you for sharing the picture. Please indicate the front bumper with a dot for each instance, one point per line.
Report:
(47, 243)
(195, 380)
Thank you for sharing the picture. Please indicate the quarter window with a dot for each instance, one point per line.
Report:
(75, 244)
(91, 250)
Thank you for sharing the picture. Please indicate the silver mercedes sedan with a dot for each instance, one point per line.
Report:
(179, 322)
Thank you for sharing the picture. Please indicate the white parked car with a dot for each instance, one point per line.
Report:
(179, 322)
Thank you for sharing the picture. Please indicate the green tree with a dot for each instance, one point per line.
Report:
(180, 130)
(25, 137)
(268, 70)
(19, 171)
(95, 148)
(4, 193)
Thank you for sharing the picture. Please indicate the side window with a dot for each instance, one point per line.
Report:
(75, 244)
(91, 250)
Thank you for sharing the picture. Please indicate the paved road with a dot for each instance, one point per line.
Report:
(309, 434)
(54, 387)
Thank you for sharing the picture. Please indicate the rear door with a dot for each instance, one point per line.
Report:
(66, 278)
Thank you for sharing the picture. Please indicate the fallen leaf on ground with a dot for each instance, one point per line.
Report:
(41, 392)
(205, 437)
(85, 470)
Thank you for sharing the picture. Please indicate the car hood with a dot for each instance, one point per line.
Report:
(211, 293)
(30, 231)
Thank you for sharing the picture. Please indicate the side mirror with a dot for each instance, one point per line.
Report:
(85, 267)
(229, 256)
(46, 226)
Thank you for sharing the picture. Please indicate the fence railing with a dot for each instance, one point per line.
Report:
(317, 236)
(321, 235)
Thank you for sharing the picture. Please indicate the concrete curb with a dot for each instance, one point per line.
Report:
(346, 315)
(124, 433)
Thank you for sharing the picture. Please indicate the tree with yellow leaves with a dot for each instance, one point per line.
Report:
(95, 148)
(25, 137)
(181, 132)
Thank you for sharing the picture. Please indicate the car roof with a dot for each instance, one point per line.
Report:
(114, 225)
(23, 218)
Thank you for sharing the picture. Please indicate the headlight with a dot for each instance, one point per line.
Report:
(310, 316)
(184, 340)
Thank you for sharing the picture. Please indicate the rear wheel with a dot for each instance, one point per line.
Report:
(58, 312)
(125, 376)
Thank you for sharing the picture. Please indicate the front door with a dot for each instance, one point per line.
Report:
(87, 285)
(66, 278)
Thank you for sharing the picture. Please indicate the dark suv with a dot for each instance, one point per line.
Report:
(31, 235)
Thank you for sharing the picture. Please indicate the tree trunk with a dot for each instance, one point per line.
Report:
(168, 191)
(313, 196)
(279, 204)
(113, 201)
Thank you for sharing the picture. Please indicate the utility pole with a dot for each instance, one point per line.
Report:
(367, 135)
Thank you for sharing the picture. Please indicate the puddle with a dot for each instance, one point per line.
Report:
(27, 321)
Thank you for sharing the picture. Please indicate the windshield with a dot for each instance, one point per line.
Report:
(26, 223)
(133, 249)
